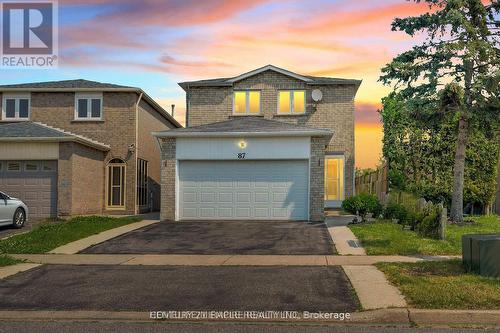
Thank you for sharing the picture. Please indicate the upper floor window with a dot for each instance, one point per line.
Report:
(246, 102)
(292, 102)
(88, 107)
(16, 107)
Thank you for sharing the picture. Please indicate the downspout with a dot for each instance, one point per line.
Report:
(136, 206)
(188, 95)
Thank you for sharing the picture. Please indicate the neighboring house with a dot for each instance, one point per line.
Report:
(267, 144)
(80, 147)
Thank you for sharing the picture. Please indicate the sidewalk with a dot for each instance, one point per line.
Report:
(343, 238)
(216, 260)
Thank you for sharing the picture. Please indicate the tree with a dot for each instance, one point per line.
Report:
(459, 63)
(419, 152)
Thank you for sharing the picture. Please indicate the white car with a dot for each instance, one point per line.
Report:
(12, 211)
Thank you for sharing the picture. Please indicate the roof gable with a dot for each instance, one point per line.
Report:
(228, 82)
(269, 68)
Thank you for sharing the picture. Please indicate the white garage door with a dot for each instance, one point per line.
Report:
(34, 182)
(236, 190)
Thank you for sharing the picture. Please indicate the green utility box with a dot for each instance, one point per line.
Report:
(481, 254)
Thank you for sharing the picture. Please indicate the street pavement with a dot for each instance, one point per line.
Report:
(157, 327)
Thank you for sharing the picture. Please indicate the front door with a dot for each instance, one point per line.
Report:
(334, 180)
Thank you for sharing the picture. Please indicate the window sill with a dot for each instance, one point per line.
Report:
(247, 115)
(289, 115)
(87, 121)
(13, 120)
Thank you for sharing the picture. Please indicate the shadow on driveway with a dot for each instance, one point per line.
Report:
(165, 288)
(228, 237)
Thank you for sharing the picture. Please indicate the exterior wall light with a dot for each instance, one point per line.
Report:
(242, 144)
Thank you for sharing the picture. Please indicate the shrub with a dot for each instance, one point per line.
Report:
(363, 204)
(428, 225)
(394, 210)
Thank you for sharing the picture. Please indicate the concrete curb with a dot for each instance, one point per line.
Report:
(81, 244)
(426, 317)
(7, 271)
(384, 317)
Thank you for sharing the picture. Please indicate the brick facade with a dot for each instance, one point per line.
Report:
(80, 168)
(80, 175)
(334, 112)
(317, 179)
(168, 178)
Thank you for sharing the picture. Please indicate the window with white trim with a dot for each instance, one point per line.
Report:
(16, 107)
(88, 107)
(292, 102)
(246, 102)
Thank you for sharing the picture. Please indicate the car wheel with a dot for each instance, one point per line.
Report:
(19, 218)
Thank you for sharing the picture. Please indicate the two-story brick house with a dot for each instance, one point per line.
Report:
(267, 144)
(80, 147)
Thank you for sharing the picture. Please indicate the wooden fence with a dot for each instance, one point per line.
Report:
(374, 182)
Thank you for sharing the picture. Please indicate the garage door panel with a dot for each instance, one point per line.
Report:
(38, 189)
(243, 190)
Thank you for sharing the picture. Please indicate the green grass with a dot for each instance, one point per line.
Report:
(387, 238)
(443, 285)
(50, 235)
(8, 260)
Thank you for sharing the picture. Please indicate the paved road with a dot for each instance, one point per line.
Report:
(164, 288)
(217, 237)
(135, 327)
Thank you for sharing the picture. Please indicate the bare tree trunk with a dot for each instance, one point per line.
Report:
(457, 198)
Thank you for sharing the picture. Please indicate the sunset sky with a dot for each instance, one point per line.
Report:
(153, 44)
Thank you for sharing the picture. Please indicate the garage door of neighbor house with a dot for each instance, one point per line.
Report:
(34, 182)
(239, 190)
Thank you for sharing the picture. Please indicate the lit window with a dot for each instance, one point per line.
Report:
(246, 102)
(16, 107)
(292, 102)
(88, 107)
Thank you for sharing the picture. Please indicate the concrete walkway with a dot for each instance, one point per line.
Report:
(373, 289)
(343, 238)
(216, 260)
(79, 245)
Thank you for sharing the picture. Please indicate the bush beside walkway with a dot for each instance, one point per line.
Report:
(443, 285)
(387, 238)
(49, 236)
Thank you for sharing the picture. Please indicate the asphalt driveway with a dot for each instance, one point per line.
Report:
(164, 288)
(228, 237)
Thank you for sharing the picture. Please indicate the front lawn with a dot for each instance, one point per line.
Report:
(387, 238)
(443, 285)
(49, 236)
(7, 260)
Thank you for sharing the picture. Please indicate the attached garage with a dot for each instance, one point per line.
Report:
(247, 168)
(235, 190)
(34, 182)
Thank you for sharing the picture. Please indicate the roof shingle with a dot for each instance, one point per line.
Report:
(246, 124)
(66, 84)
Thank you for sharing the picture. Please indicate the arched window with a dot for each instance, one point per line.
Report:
(116, 184)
